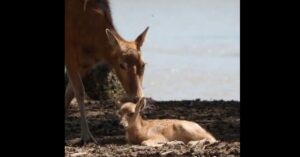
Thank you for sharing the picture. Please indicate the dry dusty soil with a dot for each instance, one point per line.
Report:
(221, 118)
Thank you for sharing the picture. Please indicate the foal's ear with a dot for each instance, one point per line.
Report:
(140, 105)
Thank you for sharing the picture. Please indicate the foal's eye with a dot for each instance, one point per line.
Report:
(130, 114)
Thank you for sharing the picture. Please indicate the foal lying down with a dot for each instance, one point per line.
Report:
(157, 132)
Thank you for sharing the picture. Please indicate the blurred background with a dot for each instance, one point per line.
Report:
(192, 47)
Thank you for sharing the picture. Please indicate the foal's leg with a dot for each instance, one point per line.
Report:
(155, 142)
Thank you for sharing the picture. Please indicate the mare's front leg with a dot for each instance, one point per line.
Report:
(79, 92)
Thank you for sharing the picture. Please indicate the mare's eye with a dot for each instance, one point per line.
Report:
(143, 65)
(143, 68)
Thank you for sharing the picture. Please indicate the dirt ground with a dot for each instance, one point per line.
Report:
(221, 118)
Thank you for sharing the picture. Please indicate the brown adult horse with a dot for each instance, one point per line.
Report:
(90, 38)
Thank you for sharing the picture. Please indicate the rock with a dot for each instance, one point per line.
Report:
(166, 153)
(79, 154)
(101, 84)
